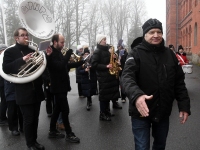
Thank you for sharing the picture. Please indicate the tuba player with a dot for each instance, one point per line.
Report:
(28, 95)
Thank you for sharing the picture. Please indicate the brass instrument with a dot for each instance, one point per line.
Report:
(74, 57)
(38, 21)
(114, 61)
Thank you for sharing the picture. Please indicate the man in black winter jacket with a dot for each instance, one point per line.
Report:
(152, 78)
(28, 95)
(60, 85)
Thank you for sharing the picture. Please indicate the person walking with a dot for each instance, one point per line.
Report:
(79, 52)
(181, 56)
(60, 86)
(152, 78)
(88, 79)
(15, 119)
(108, 84)
(122, 53)
(28, 95)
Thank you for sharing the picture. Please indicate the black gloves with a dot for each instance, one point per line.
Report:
(68, 55)
(69, 52)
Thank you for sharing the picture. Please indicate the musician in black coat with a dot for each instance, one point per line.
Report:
(28, 95)
(79, 52)
(108, 84)
(60, 86)
(122, 53)
(88, 79)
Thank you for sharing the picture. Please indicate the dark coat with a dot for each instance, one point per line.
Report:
(57, 66)
(122, 60)
(1, 82)
(59, 70)
(108, 84)
(78, 75)
(154, 70)
(88, 81)
(9, 89)
(123, 57)
(26, 93)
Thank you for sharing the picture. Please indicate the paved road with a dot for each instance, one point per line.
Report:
(114, 135)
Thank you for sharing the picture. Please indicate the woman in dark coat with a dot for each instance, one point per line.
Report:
(108, 84)
(88, 80)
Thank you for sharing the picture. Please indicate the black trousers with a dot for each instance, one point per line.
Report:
(61, 105)
(3, 105)
(49, 101)
(79, 89)
(30, 115)
(14, 116)
(104, 106)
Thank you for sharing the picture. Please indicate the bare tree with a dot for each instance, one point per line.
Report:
(82, 20)
(135, 18)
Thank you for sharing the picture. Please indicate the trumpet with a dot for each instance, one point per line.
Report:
(74, 57)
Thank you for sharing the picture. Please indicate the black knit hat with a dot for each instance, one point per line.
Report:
(180, 47)
(151, 24)
(86, 50)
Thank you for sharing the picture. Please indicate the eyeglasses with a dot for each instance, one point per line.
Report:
(24, 35)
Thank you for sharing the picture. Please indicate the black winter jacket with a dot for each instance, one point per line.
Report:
(154, 71)
(88, 81)
(108, 84)
(27, 93)
(58, 68)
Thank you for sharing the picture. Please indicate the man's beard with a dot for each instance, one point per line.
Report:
(59, 48)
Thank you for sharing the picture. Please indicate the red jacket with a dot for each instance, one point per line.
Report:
(182, 58)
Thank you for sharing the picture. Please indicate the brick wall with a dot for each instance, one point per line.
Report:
(183, 26)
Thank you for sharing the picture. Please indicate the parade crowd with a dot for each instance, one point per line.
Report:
(148, 75)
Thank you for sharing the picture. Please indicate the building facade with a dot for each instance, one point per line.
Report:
(183, 26)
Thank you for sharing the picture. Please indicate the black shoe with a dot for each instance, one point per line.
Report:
(116, 105)
(71, 137)
(15, 133)
(56, 134)
(104, 117)
(39, 146)
(88, 105)
(32, 148)
(109, 114)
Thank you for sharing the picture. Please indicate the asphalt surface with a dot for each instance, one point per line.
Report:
(116, 134)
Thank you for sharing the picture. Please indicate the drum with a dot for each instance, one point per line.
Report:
(187, 68)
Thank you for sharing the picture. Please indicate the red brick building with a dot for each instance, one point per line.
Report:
(183, 26)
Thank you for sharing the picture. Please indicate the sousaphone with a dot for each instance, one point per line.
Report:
(38, 21)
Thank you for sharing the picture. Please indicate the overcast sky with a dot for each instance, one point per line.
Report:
(157, 9)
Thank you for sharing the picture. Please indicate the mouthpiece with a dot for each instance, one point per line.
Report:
(32, 43)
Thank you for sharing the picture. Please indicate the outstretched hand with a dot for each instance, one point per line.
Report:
(142, 106)
(183, 116)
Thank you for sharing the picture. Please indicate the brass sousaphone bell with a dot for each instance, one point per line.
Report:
(38, 21)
